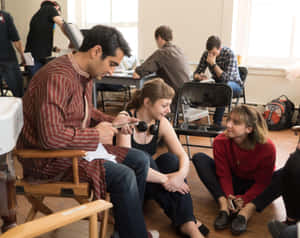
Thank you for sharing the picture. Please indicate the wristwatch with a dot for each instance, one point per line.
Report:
(214, 65)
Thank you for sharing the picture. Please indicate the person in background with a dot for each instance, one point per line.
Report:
(168, 62)
(41, 32)
(9, 66)
(242, 168)
(58, 114)
(222, 64)
(167, 174)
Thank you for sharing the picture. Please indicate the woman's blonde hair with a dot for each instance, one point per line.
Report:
(254, 119)
(153, 89)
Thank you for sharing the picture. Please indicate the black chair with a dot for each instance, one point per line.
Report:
(243, 74)
(196, 94)
(101, 87)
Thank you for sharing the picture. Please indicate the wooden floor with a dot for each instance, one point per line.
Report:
(205, 208)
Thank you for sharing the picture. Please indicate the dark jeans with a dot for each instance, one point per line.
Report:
(206, 170)
(178, 207)
(126, 184)
(219, 112)
(33, 69)
(289, 232)
(285, 182)
(11, 73)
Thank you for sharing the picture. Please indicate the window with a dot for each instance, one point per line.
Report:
(117, 13)
(267, 31)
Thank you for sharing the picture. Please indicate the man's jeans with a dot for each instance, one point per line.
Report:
(33, 69)
(126, 184)
(219, 112)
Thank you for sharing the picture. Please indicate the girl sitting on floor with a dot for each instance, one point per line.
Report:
(166, 182)
(243, 164)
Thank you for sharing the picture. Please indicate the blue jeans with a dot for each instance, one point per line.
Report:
(33, 69)
(219, 112)
(126, 184)
(11, 73)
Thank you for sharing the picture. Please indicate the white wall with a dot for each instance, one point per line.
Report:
(263, 85)
(192, 22)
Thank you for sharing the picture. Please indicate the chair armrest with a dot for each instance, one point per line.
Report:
(40, 154)
(52, 222)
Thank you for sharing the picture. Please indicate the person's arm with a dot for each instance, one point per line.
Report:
(230, 71)
(176, 179)
(99, 116)
(14, 36)
(169, 137)
(223, 169)
(18, 45)
(151, 65)
(262, 176)
(197, 75)
(56, 18)
(60, 22)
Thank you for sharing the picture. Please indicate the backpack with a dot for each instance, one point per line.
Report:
(278, 113)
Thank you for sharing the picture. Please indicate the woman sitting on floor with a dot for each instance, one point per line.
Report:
(242, 167)
(166, 179)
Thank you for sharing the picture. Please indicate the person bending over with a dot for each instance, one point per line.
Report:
(58, 114)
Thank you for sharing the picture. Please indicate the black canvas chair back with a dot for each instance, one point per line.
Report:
(102, 87)
(196, 94)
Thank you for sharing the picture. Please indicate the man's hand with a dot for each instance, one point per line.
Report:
(200, 76)
(123, 119)
(176, 183)
(211, 59)
(106, 132)
(135, 75)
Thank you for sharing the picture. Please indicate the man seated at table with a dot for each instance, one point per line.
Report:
(58, 114)
(222, 64)
(168, 62)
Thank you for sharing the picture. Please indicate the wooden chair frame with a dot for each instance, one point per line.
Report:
(36, 192)
(59, 219)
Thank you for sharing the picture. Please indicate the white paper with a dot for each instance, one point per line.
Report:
(99, 153)
(29, 61)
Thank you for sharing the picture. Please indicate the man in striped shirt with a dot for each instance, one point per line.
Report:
(58, 114)
(222, 64)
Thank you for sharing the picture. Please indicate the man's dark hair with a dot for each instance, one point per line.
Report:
(109, 38)
(212, 42)
(51, 3)
(164, 32)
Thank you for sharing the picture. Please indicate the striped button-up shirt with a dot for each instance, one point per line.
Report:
(226, 61)
(57, 116)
